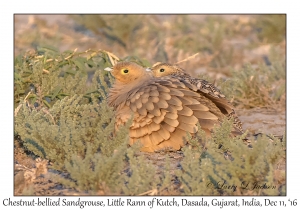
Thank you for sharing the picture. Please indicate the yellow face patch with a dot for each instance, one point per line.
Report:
(124, 71)
(162, 70)
(128, 72)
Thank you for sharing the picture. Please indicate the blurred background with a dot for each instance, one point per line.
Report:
(221, 41)
(244, 55)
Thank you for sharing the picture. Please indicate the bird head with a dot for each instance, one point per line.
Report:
(127, 72)
(164, 69)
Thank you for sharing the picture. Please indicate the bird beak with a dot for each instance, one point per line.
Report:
(148, 69)
(108, 69)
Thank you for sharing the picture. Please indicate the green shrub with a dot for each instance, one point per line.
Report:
(206, 172)
(62, 115)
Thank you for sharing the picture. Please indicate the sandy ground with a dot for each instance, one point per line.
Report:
(255, 120)
(263, 120)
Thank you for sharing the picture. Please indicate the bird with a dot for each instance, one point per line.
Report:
(163, 110)
(204, 87)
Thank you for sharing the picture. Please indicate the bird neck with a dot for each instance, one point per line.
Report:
(121, 91)
(134, 83)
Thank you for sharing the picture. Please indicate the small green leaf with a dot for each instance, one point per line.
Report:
(64, 94)
(17, 76)
(62, 63)
(47, 48)
(91, 63)
(70, 71)
(68, 52)
(55, 92)
(91, 91)
(46, 103)
(20, 92)
(31, 96)
(79, 62)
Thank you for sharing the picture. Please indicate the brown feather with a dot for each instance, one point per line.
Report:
(153, 127)
(187, 92)
(188, 127)
(133, 107)
(173, 123)
(185, 100)
(164, 133)
(154, 99)
(136, 133)
(186, 111)
(146, 142)
(165, 96)
(222, 104)
(162, 88)
(175, 101)
(167, 127)
(161, 104)
(199, 107)
(156, 138)
(207, 124)
(145, 95)
(205, 115)
(159, 119)
(177, 83)
(155, 111)
(149, 105)
(176, 92)
(145, 122)
(171, 109)
(144, 100)
(138, 103)
(191, 120)
(171, 115)
(142, 111)
(154, 93)
(190, 86)
(178, 138)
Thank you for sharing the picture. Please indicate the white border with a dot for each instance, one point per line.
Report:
(154, 6)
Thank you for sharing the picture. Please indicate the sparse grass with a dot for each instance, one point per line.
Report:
(251, 87)
(61, 112)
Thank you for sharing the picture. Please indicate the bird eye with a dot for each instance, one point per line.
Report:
(125, 71)
(162, 70)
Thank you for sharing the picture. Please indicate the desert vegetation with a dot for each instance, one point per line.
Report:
(63, 126)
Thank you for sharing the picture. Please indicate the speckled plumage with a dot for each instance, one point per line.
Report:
(204, 87)
(164, 109)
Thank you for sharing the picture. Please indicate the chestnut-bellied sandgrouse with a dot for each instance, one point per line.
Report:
(204, 87)
(163, 109)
